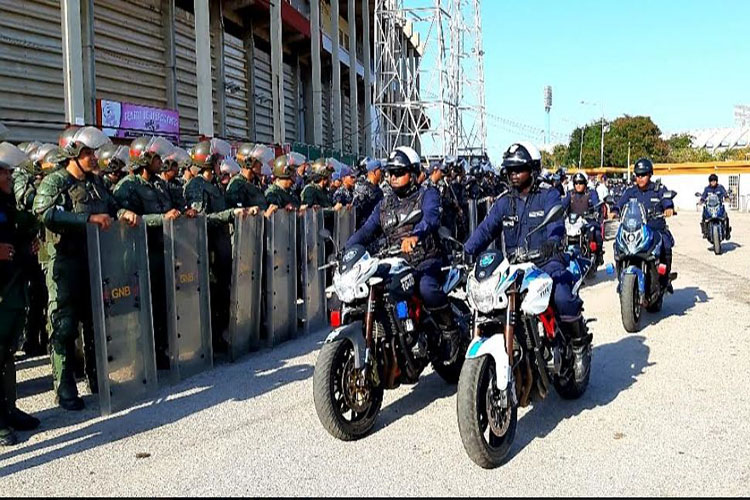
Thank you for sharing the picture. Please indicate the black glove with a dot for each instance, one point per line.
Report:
(550, 249)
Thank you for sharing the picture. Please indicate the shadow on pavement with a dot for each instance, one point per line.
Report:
(678, 303)
(255, 375)
(601, 276)
(726, 247)
(430, 388)
(615, 368)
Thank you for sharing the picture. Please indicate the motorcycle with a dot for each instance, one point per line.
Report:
(380, 342)
(579, 234)
(639, 270)
(714, 221)
(518, 350)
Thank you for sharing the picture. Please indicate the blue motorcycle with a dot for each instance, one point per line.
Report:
(639, 269)
(714, 223)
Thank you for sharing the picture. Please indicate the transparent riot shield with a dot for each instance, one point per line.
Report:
(281, 277)
(343, 226)
(313, 280)
(188, 299)
(245, 294)
(121, 309)
(473, 216)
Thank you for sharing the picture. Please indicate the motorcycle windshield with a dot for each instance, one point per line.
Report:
(634, 216)
(712, 201)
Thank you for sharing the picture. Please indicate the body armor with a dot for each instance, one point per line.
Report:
(395, 209)
(579, 203)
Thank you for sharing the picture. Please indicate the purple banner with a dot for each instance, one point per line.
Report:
(126, 120)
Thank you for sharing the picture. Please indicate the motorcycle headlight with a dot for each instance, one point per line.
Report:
(482, 294)
(347, 285)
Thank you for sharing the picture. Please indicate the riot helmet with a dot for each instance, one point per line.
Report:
(84, 138)
(643, 166)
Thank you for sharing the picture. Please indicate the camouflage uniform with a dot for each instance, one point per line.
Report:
(242, 193)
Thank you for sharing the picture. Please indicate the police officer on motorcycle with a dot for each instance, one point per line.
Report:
(510, 220)
(418, 240)
(580, 201)
(715, 188)
(651, 196)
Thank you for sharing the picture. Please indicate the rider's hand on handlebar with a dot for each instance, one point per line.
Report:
(669, 212)
(408, 244)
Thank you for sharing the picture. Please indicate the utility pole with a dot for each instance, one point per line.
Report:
(580, 151)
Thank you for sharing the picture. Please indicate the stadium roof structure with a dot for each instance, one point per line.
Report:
(721, 139)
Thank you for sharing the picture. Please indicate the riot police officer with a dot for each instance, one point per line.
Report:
(147, 195)
(112, 162)
(175, 162)
(66, 201)
(580, 201)
(280, 194)
(419, 241)
(651, 196)
(243, 190)
(203, 194)
(315, 193)
(367, 192)
(510, 221)
(12, 302)
(715, 188)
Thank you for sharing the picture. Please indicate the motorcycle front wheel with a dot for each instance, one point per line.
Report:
(630, 303)
(346, 402)
(487, 430)
(450, 370)
(716, 238)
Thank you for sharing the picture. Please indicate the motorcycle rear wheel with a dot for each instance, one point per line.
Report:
(630, 303)
(335, 392)
(485, 446)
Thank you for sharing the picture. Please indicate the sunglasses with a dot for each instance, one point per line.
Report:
(580, 183)
(517, 170)
(642, 175)
(399, 172)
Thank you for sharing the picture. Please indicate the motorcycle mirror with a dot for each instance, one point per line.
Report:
(412, 218)
(697, 194)
(446, 234)
(324, 233)
(609, 199)
(556, 213)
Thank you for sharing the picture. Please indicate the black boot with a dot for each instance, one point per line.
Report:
(449, 334)
(7, 396)
(14, 417)
(63, 372)
(22, 421)
(580, 341)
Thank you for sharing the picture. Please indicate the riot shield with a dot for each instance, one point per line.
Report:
(188, 299)
(313, 280)
(281, 277)
(343, 226)
(245, 294)
(473, 215)
(121, 311)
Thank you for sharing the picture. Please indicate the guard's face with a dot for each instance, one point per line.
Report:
(642, 181)
(285, 184)
(520, 178)
(87, 160)
(713, 184)
(349, 181)
(580, 187)
(378, 176)
(155, 165)
(6, 186)
(399, 177)
(436, 175)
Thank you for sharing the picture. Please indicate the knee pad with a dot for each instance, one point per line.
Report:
(64, 329)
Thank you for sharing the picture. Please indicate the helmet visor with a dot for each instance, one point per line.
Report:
(90, 137)
(159, 146)
(10, 156)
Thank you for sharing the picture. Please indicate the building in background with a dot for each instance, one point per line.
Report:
(138, 72)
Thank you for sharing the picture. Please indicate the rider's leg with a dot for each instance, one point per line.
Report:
(435, 300)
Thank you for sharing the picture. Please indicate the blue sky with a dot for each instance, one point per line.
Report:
(685, 63)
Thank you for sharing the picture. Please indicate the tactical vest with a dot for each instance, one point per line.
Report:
(395, 209)
(579, 204)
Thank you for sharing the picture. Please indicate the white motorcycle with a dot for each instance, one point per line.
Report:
(517, 353)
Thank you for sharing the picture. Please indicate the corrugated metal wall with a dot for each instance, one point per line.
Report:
(187, 87)
(235, 72)
(291, 105)
(129, 52)
(326, 106)
(362, 124)
(346, 118)
(263, 101)
(31, 80)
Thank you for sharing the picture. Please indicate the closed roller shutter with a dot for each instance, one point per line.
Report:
(346, 121)
(263, 100)
(235, 76)
(129, 52)
(290, 103)
(31, 80)
(327, 112)
(187, 87)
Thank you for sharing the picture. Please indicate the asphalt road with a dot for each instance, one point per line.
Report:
(667, 413)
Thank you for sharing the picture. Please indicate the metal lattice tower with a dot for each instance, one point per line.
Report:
(413, 91)
(429, 76)
(467, 69)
